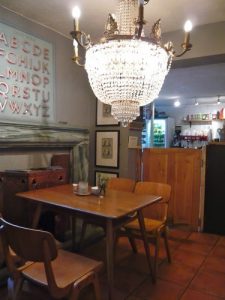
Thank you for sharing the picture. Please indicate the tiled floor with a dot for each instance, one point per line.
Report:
(197, 271)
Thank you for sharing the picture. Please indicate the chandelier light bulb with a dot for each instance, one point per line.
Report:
(177, 103)
(196, 102)
(76, 12)
(188, 26)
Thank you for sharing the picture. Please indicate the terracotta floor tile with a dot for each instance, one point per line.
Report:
(134, 298)
(210, 282)
(204, 238)
(118, 295)
(219, 251)
(222, 241)
(188, 245)
(214, 263)
(125, 280)
(135, 262)
(162, 290)
(177, 234)
(196, 295)
(173, 245)
(176, 272)
(191, 259)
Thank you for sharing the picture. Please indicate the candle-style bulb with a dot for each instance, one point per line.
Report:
(188, 26)
(76, 15)
(76, 12)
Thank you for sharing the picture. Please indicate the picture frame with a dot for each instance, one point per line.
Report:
(104, 176)
(107, 149)
(103, 115)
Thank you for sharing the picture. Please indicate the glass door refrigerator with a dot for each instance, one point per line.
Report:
(163, 132)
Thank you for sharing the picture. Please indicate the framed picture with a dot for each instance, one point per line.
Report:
(107, 149)
(101, 176)
(103, 115)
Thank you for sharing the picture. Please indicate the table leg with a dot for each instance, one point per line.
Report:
(110, 258)
(36, 216)
(145, 241)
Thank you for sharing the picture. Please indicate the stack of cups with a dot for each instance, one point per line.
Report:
(82, 188)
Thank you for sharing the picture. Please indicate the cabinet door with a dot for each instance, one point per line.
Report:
(181, 168)
(187, 171)
(156, 165)
(14, 208)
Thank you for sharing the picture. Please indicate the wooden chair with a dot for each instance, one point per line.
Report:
(155, 217)
(62, 273)
(119, 184)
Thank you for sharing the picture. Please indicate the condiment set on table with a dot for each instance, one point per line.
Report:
(82, 189)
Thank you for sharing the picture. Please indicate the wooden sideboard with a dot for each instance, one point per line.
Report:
(14, 181)
(181, 168)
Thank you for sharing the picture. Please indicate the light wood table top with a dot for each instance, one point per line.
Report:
(114, 204)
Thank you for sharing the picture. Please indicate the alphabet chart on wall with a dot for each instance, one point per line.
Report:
(26, 77)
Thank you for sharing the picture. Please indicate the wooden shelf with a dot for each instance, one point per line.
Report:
(197, 121)
(202, 121)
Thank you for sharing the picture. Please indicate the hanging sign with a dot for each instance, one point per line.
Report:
(26, 77)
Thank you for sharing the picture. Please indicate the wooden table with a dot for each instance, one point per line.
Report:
(114, 209)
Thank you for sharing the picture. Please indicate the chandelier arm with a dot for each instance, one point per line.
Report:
(186, 48)
(76, 61)
(140, 22)
(79, 36)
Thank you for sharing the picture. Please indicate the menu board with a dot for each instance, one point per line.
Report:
(26, 77)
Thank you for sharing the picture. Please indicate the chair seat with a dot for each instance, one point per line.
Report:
(151, 225)
(67, 268)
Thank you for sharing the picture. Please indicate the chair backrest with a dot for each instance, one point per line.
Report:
(159, 211)
(30, 245)
(121, 184)
(27, 243)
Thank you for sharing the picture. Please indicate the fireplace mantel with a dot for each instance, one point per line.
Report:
(26, 137)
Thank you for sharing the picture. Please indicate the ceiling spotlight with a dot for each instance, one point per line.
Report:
(218, 100)
(196, 102)
(177, 103)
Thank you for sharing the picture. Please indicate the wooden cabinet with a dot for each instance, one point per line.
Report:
(181, 168)
(14, 181)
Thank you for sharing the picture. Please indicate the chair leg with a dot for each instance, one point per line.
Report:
(131, 240)
(90, 278)
(165, 236)
(14, 287)
(155, 266)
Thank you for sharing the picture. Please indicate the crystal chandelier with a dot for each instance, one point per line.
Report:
(126, 69)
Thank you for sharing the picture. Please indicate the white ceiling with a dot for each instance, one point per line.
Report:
(204, 81)
(56, 14)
